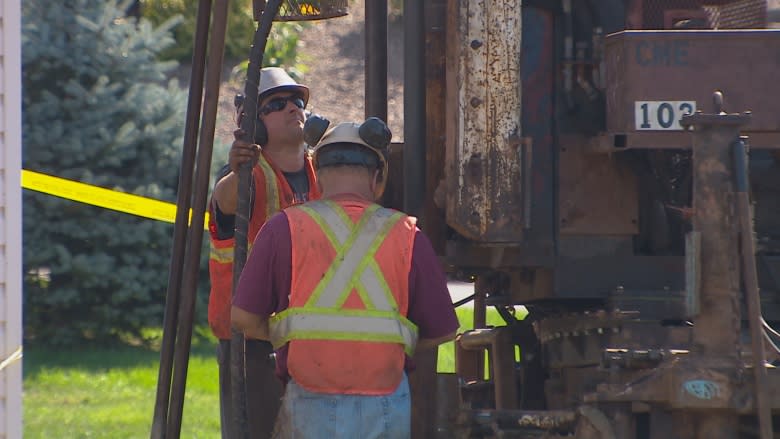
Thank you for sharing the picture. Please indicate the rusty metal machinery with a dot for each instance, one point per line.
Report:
(565, 157)
(577, 167)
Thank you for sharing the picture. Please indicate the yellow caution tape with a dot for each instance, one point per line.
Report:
(101, 197)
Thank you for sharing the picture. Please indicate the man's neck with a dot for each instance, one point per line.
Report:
(288, 158)
(349, 195)
(347, 189)
(346, 183)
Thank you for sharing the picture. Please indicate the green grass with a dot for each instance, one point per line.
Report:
(101, 393)
(110, 393)
(446, 359)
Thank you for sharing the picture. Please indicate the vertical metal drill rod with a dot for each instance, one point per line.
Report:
(414, 107)
(750, 282)
(376, 59)
(195, 235)
(181, 224)
(237, 357)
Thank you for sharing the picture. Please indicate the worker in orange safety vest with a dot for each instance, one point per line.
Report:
(282, 176)
(347, 291)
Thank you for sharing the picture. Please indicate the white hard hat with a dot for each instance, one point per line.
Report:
(373, 129)
(273, 79)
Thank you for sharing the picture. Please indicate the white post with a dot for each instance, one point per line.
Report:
(10, 218)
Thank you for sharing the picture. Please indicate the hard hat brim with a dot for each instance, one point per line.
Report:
(302, 89)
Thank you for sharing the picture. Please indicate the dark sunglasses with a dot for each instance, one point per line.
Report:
(279, 104)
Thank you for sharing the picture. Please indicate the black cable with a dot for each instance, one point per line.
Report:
(463, 301)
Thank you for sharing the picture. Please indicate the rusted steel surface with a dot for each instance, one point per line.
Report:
(484, 146)
(717, 326)
(567, 343)
(621, 141)
(546, 420)
(521, 423)
(498, 343)
(682, 385)
(468, 362)
(633, 358)
(478, 338)
(677, 66)
(503, 373)
(597, 195)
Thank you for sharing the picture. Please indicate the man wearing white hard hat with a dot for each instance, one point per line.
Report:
(282, 176)
(347, 291)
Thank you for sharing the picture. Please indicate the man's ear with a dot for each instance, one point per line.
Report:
(376, 184)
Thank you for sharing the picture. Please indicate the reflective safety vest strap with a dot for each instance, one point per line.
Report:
(223, 251)
(272, 196)
(221, 254)
(355, 265)
(343, 325)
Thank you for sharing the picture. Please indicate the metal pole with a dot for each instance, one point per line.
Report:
(376, 59)
(752, 298)
(182, 219)
(195, 237)
(414, 107)
(716, 328)
(237, 346)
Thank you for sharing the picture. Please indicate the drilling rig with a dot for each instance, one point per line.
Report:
(611, 166)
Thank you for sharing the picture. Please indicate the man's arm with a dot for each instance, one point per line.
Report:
(252, 325)
(430, 304)
(264, 285)
(226, 194)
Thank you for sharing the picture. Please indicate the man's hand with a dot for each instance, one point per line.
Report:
(242, 151)
(226, 190)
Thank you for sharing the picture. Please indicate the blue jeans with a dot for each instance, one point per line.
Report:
(309, 415)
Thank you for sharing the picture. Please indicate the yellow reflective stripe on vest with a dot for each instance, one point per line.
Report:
(224, 255)
(272, 198)
(354, 255)
(345, 235)
(353, 267)
(343, 325)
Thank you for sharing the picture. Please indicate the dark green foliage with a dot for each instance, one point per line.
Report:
(97, 109)
(281, 49)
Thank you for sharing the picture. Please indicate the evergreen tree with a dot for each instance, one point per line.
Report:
(97, 109)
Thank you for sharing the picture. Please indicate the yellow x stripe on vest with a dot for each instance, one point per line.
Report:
(354, 267)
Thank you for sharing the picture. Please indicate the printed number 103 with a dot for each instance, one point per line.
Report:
(661, 115)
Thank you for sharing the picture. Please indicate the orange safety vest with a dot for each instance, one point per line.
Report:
(346, 323)
(268, 180)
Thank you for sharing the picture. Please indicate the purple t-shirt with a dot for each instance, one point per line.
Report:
(264, 286)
